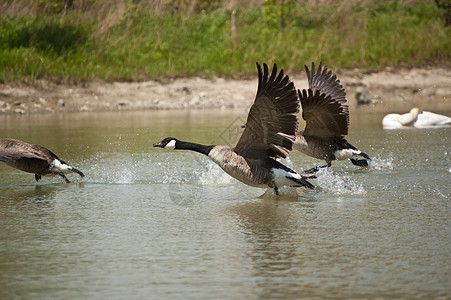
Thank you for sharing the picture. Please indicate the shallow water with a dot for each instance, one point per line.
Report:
(150, 223)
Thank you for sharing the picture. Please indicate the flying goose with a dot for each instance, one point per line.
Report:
(415, 118)
(327, 120)
(269, 134)
(33, 159)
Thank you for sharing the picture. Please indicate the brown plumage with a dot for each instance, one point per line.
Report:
(33, 159)
(270, 133)
(326, 116)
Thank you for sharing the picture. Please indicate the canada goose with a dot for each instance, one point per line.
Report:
(327, 120)
(415, 118)
(270, 130)
(33, 159)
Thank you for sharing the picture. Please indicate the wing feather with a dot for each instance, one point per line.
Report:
(8, 155)
(272, 123)
(323, 116)
(19, 149)
(324, 106)
(322, 80)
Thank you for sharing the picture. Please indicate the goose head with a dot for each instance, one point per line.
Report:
(167, 143)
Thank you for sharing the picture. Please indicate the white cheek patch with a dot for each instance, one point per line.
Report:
(345, 153)
(170, 145)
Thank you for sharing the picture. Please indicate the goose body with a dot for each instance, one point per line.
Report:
(269, 133)
(328, 149)
(33, 159)
(326, 116)
(415, 118)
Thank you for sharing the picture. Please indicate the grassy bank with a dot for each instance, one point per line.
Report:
(139, 44)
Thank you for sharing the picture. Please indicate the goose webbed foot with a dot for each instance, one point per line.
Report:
(316, 169)
(276, 190)
(64, 177)
(37, 177)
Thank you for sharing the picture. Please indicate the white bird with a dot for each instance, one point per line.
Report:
(415, 118)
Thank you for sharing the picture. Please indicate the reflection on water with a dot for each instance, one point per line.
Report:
(147, 223)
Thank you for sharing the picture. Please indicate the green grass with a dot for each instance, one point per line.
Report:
(141, 45)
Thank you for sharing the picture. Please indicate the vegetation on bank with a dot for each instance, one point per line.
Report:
(139, 43)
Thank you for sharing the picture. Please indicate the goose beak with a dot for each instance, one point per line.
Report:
(159, 144)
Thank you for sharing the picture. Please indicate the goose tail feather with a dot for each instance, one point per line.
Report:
(303, 181)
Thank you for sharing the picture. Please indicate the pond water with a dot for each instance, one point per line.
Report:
(150, 223)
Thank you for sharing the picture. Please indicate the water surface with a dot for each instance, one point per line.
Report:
(149, 223)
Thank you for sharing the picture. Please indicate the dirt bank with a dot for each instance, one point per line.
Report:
(396, 89)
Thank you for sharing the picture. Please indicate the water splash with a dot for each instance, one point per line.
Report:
(287, 162)
(379, 163)
(123, 169)
(196, 170)
(144, 167)
(213, 174)
(176, 175)
(438, 192)
(342, 184)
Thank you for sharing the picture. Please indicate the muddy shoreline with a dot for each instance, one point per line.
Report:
(398, 90)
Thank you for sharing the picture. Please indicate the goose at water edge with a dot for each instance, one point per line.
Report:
(326, 118)
(415, 118)
(270, 133)
(33, 159)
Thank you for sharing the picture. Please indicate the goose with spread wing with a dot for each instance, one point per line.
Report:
(326, 118)
(269, 134)
(33, 159)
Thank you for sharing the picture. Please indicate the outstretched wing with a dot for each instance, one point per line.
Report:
(272, 123)
(323, 105)
(323, 116)
(11, 155)
(14, 150)
(323, 81)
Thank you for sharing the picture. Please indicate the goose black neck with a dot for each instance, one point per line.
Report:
(204, 149)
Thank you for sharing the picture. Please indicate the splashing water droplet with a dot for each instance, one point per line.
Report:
(338, 184)
(379, 163)
(213, 174)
